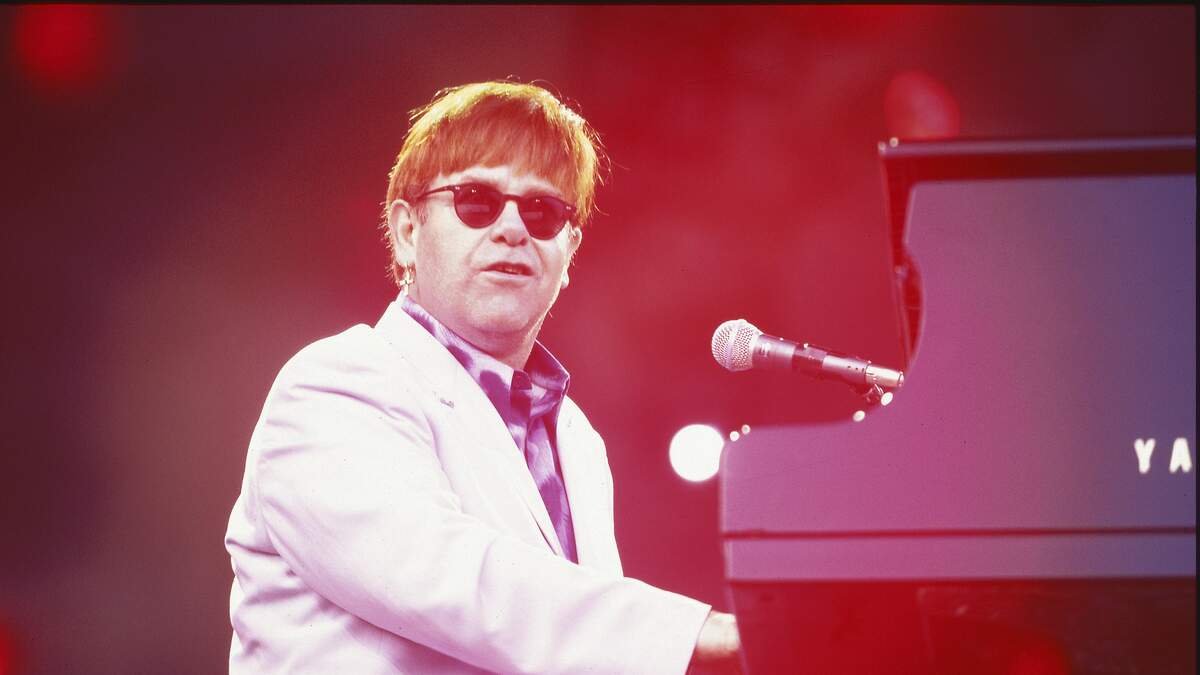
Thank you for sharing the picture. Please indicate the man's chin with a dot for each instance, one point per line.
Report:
(502, 320)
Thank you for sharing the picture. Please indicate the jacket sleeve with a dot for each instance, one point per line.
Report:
(351, 495)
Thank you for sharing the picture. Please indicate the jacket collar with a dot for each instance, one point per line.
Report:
(454, 388)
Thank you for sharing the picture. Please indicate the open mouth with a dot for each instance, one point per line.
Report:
(514, 269)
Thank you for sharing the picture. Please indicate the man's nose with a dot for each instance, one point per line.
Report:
(509, 227)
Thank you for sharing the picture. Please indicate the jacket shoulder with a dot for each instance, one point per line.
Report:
(356, 352)
(357, 343)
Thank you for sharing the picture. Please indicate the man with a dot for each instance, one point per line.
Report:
(421, 496)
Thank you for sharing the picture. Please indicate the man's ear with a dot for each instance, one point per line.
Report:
(402, 231)
(574, 239)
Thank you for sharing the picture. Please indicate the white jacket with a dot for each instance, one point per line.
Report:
(388, 524)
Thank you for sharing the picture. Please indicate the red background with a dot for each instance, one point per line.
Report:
(191, 194)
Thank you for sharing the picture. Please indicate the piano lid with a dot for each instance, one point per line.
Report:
(906, 163)
(1058, 342)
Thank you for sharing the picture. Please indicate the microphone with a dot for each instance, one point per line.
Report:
(738, 345)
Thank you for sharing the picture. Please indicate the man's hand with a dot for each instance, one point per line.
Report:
(717, 646)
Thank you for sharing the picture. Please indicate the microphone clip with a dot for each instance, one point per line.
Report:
(872, 392)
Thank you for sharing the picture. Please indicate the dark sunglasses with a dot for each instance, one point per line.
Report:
(480, 205)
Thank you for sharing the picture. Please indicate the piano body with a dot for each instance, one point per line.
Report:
(1027, 502)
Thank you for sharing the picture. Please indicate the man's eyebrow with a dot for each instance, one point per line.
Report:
(537, 190)
(468, 177)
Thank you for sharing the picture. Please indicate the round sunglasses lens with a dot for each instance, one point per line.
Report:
(543, 217)
(476, 207)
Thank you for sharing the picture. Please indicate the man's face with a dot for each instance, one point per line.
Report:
(492, 285)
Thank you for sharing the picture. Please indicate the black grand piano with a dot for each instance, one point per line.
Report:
(1026, 504)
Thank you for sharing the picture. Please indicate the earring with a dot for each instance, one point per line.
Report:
(407, 279)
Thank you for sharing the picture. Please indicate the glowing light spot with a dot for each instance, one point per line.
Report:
(64, 48)
(1039, 656)
(858, 416)
(745, 429)
(695, 452)
(8, 650)
(917, 105)
(734, 435)
(886, 398)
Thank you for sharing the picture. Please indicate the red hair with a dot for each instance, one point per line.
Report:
(492, 124)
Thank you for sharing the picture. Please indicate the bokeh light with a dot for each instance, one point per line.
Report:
(63, 49)
(918, 106)
(696, 452)
(8, 651)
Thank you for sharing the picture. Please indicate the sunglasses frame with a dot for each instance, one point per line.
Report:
(521, 200)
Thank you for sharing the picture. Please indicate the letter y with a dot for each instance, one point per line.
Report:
(1143, 448)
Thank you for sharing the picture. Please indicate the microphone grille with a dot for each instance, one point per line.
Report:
(731, 344)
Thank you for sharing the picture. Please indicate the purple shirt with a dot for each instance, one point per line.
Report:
(528, 401)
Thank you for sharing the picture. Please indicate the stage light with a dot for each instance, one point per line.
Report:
(918, 106)
(8, 651)
(64, 49)
(695, 452)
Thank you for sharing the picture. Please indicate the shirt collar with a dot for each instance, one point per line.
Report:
(544, 378)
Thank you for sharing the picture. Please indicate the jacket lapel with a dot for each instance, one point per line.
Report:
(502, 465)
(589, 490)
(475, 410)
(574, 472)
